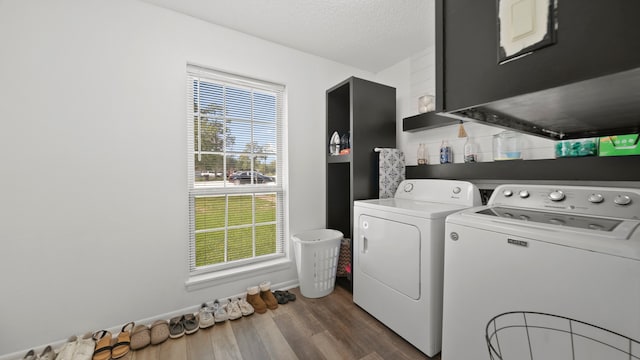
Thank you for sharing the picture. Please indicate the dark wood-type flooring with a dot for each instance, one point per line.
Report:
(332, 327)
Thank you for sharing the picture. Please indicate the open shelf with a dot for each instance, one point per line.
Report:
(591, 168)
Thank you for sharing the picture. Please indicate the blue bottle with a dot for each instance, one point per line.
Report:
(446, 157)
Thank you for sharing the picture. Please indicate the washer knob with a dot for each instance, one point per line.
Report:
(507, 193)
(622, 200)
(408, 187)
(596, 198)
(556, 195)
(524, 194)
(456, 190)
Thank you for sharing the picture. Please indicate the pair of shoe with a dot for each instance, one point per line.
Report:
(245, 308)
(261, 298)
(77, 348)
(284, 297)
(184, 324)
(47, 354)
(217, 309)
(205, 316)
(103, 349)
(237, 308)
(215, 312)
(141, 337)
(233, 309)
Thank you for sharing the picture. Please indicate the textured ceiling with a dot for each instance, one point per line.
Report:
(368, 34)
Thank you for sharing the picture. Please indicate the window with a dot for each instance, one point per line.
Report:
(236, 196)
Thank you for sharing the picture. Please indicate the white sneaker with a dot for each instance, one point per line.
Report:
(219, 313)
(233, 310)
(205, 317)
(84, 347)
(245, 307)
(66, 353)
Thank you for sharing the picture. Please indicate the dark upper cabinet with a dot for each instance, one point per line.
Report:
(585, 84)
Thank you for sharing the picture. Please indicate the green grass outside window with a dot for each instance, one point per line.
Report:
(210, 215)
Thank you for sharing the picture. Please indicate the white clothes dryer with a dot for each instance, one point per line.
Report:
(544, 273)
(398, 256)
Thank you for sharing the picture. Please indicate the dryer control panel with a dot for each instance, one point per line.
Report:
(441, 191)
(621, 203)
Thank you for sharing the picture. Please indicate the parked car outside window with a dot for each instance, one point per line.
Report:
(250, 177)
(207, 174)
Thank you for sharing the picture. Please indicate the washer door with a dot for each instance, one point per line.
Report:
(389, 251)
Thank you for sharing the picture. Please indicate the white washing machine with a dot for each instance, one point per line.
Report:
(544, 272)
(398, 256)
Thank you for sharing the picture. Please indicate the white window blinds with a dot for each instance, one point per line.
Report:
(235, 169)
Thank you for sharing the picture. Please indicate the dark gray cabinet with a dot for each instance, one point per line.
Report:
(585, 84)
(368, 111)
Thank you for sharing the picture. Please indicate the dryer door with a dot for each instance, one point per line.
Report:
(389, 251)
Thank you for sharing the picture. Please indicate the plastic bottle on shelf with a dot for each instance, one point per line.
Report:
(446, 156)
(344, 141)
(422, 155)
(470, 155)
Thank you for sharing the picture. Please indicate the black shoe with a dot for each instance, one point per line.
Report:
(281, 297)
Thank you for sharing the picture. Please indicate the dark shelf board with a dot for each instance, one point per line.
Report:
(594, 168)
(426, 121)
(338, 158)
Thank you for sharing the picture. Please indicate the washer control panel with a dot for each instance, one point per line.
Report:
(608, 202)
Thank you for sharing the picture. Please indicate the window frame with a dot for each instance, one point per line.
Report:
(203, 74)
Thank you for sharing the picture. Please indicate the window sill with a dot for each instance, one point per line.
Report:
(202, 281)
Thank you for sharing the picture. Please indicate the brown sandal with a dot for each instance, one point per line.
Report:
(102, 351)
(121, 347)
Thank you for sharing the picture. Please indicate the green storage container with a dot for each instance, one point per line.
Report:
(574, 148)
(618, 145)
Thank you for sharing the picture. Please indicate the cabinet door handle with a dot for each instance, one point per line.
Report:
(365, 244)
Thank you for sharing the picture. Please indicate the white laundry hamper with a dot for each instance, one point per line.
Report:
(317, 254)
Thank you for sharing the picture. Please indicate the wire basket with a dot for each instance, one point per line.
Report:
(524, 335)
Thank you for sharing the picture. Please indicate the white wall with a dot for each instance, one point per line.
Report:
(93, 152)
